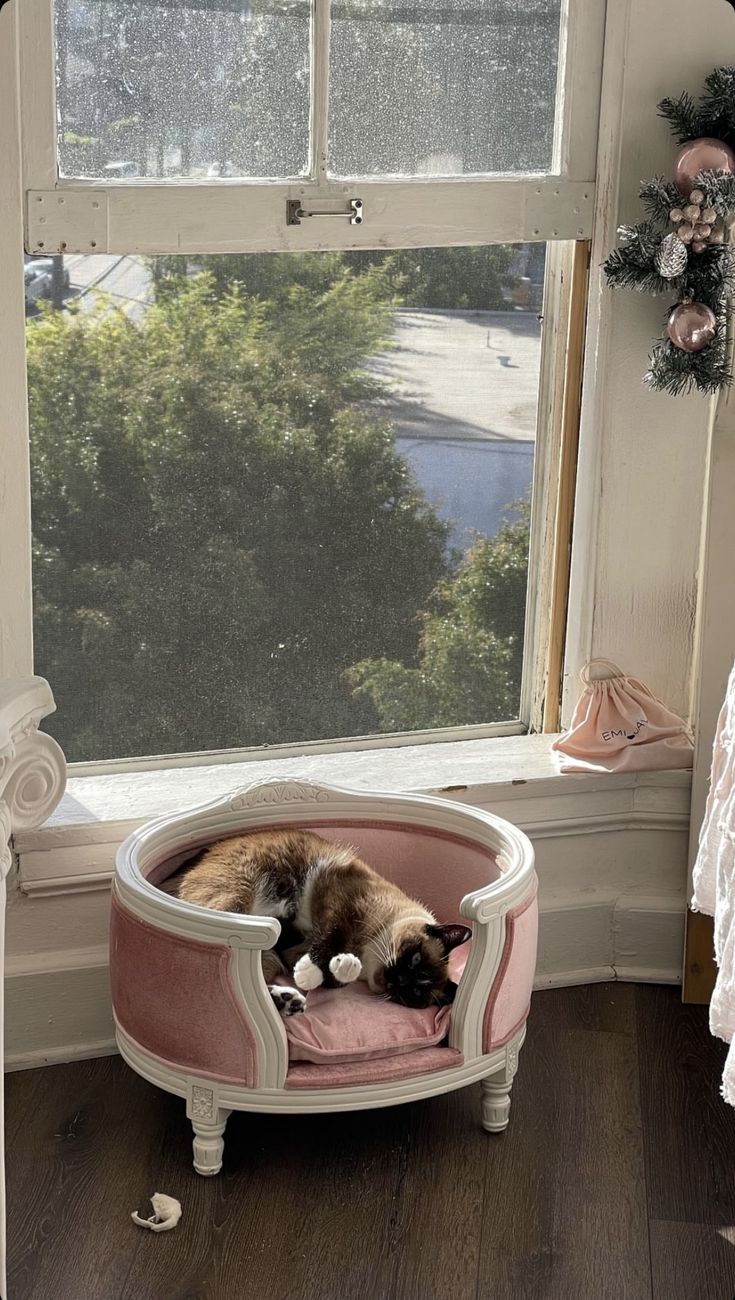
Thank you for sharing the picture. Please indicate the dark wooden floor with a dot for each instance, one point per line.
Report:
(615, 1180)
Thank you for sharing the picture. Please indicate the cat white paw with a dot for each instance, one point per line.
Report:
(346, 967)
(288, 1001)
(306, 975)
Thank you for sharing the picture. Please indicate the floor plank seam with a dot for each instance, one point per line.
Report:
(644, 1143)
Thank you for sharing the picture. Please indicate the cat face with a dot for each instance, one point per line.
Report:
(419, 977)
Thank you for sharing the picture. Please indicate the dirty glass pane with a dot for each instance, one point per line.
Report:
(280, 497)
(201, 89)
(443, 87)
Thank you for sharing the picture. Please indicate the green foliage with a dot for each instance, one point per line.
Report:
(81, 154)
(631, 266)
(221, 529)
(658, 197)
(683, 116)
(713, 116)
(470, 279)
(717, 110)
(471, 650)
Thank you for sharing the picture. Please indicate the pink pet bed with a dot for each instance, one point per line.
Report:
(192, 1010)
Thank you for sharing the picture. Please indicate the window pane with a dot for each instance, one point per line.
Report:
(202, 89)
(281, 497)
(446, 87)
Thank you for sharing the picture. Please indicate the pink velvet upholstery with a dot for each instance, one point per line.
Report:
(174, 996)
(508, 1004)
(383, 1070)
(352, 1024)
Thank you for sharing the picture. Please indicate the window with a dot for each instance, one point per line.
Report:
(296, 399)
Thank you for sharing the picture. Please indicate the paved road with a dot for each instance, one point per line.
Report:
(463, 403)
(458, 374)
(125, 281)
(472, 483)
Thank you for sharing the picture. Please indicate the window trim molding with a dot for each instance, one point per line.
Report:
(231, 217)
(16, 621)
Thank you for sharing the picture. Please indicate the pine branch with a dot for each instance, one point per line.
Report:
(709, 276)
(658, 197)
(719, 191)
(717, 104)
(683, 117)
(631, 266)
(675, 372)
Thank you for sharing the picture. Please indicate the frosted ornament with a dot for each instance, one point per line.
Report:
(691, 326)
(702, 155)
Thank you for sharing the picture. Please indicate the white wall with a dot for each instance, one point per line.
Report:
(642, 454)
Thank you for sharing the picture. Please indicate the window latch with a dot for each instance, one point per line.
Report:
(295, 212)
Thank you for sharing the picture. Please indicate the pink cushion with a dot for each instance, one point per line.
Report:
(353, 1024)
(348, 1074)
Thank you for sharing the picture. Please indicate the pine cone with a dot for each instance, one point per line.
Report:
(671, 258)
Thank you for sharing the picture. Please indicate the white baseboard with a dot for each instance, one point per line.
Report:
(60, 1056)
(58, 1004)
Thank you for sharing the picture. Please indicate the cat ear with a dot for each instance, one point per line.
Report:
(451, 935)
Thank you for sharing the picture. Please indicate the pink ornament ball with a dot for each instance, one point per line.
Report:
(703, 155)
(691, 326)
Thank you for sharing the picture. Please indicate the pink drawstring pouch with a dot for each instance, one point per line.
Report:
(620, 726)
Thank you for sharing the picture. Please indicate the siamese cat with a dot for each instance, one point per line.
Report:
(341, 921)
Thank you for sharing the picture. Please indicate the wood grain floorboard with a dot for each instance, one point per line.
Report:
(24, 1089)
(408, 1203)
(689, 1131)
(608, 1008)
(692, 1261)
(301, 1201)
(565, 1204)
(311, 1208)
(74, 1174)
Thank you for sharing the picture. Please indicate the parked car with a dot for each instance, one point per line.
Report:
(38, 278)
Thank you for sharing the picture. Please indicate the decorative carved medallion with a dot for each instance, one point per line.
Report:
(202, 1102)
(279, 792)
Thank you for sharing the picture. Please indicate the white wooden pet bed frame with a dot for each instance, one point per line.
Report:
(168, 1052)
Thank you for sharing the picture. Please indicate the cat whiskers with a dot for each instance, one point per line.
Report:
(384, 948)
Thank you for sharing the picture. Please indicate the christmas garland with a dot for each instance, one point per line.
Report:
(684, 244)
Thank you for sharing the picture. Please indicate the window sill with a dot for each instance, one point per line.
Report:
(515, 776)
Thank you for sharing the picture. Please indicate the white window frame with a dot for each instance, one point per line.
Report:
(150, 215)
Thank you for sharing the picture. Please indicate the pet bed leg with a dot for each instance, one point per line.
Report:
(496, 1093)
(209, 1143)
(208, 1121)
